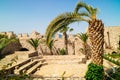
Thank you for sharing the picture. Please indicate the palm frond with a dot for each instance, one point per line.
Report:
(92, 11)
(64, 29)
(64, 20)
(61, 18)
(50, 44)
(82, 36)
(58, 27)
(71, 29)
(34, 42)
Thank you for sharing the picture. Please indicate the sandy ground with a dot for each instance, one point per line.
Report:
(56, 70)
(57, 65)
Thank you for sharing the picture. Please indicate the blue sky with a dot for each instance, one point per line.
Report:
(22, 16)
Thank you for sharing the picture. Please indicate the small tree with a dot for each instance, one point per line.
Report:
(64, 31)
(84, 38)
(34, 43)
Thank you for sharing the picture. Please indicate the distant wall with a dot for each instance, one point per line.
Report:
(114, 33)
(9, 34)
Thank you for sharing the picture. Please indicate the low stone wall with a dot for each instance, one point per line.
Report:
(33, 54)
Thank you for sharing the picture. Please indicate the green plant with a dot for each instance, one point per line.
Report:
(107, 57)
(63, 75)
(94, 72)
(118, 48)
(84, 38)
(64, 31)
(62, 51)
(34, 43)
(114, 75)
(96, 28)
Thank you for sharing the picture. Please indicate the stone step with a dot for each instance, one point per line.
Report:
(33, 69)
(63, 57)
(25, 67)
(23, 63)
(37, 57)
(63, 62)
(12, 68)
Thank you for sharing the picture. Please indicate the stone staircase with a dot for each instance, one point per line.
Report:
(58, 64)
(29, 66)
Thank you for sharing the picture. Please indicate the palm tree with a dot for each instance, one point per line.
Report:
(96, 33)
(64, 31)
(84, 38)
(96, 28)
(34, 43)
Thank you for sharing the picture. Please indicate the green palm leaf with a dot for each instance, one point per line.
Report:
(83, 37)
(34, 42)
(91, 12)
(64, 20)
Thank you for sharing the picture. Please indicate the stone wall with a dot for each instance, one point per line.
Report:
(10, 34)
(74, 44)
(114, 34)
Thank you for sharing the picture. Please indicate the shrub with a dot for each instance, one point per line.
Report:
(114, 76)
(94, 72)
(62, 51)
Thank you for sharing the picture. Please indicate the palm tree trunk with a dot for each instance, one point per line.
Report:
(85, 50)
(96, 35)
(65, 42)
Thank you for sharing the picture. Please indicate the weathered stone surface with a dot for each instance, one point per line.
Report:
(114, 33)
(11, 47)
